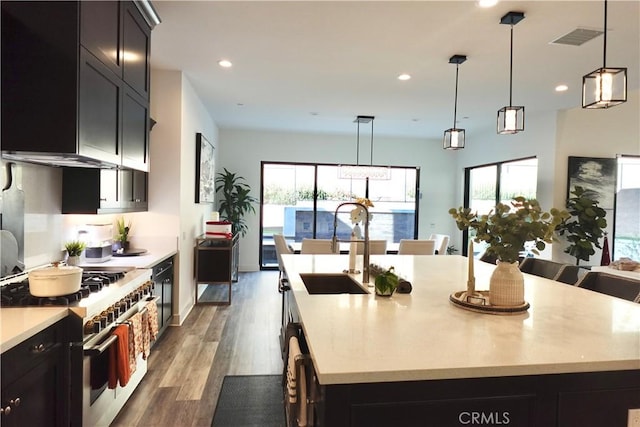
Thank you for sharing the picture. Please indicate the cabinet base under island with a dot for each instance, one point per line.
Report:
(565, 400)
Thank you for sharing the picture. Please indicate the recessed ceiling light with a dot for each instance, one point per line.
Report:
(562, 88)
(404, 76)
(225, 63)
(313, 113)
(487, 3)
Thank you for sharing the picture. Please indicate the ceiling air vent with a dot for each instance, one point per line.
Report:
(577, 37)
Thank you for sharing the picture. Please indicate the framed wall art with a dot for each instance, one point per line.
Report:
(205, 170)
(597, 176)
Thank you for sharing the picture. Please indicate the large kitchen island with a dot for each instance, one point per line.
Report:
(572, 359)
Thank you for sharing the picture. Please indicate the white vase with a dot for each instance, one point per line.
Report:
(506, 285)
(73, 260)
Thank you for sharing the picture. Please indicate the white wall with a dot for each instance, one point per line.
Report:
(180, 114)
(243, 150)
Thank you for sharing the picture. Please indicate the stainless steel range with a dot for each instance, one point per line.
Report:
(107, 298)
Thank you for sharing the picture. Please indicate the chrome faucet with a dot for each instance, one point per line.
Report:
(334, 240)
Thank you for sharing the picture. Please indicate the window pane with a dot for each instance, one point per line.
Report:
(288, 205)
(518, 179)
(627, 213)
(287, 192)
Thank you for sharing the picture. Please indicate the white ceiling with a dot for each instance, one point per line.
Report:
(313, 66)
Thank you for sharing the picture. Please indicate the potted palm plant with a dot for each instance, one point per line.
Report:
(236, 202)
(585, 226)
(506, 229)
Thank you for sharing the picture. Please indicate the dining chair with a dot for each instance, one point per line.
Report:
(376, 247)
(615, 286)
(541, 267)
(317, 246)
(442, 242)
(417, 247)
(281, 248)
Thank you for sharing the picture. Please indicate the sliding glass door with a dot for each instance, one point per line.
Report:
(299, 201)
(627, 212)
(487, 185)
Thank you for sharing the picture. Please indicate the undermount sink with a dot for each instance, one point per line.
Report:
(331, 283)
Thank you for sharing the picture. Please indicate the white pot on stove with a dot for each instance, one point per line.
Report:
(55, 281)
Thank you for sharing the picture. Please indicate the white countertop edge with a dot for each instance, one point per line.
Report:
(481, 372)
(19, 324)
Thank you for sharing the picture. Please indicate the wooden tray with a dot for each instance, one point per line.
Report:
(459, 299)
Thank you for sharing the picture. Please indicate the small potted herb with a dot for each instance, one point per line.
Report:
(74, 250)
(122, 238)
(386, 283)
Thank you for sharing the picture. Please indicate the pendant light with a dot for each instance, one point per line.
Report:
(364, 171)
(510, 118)
(454, 137)
(605, 87)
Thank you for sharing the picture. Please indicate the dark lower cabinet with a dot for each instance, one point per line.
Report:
(590, 399)
(35, 380)
(162, 276)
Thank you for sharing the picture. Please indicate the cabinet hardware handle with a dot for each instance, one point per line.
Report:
(15, 402)
(43, 348)
(103, 199)
(5, 411)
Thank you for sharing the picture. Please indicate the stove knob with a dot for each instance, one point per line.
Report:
(97, 326)
(104, 320)
(111, 314)
(88, 327)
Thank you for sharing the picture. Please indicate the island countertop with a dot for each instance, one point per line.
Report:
(422, 336)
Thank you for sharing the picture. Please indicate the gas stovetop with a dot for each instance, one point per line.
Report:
(100, 289)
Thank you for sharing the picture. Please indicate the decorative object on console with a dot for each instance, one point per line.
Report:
(607, 86)
(585, 225)
(506, 232)
(454, 137)
(511, 118)
(236, 202)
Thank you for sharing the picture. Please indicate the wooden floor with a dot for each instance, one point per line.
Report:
(187, 365)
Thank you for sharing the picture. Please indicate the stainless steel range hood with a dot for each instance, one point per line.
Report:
(57, 159)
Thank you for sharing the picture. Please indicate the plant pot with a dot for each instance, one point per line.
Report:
(386, 293)
(506, 285)
(73, 260)
(120, 246)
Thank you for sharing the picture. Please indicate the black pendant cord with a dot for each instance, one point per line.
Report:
(371, 154)
(511, 70)
(455, 101)
(604, 50)
(358, 146)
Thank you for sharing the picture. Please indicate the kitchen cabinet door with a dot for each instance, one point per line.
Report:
(136, 50)
(100, 113)
(133, 190)
(135, 131)
(101, 32)
(35, 380)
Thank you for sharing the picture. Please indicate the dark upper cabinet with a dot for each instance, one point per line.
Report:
(95, 191)
(136, 50)
(75, 83)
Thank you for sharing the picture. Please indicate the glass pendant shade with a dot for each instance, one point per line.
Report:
(510, 120)
(604, 88)
(453, 139)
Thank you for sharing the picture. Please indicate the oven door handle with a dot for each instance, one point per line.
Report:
(99, 349)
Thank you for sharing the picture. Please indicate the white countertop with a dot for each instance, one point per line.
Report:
(422, 336)
(155, 254)
(18, 324)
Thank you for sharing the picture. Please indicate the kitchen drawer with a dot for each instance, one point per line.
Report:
(31, 352)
